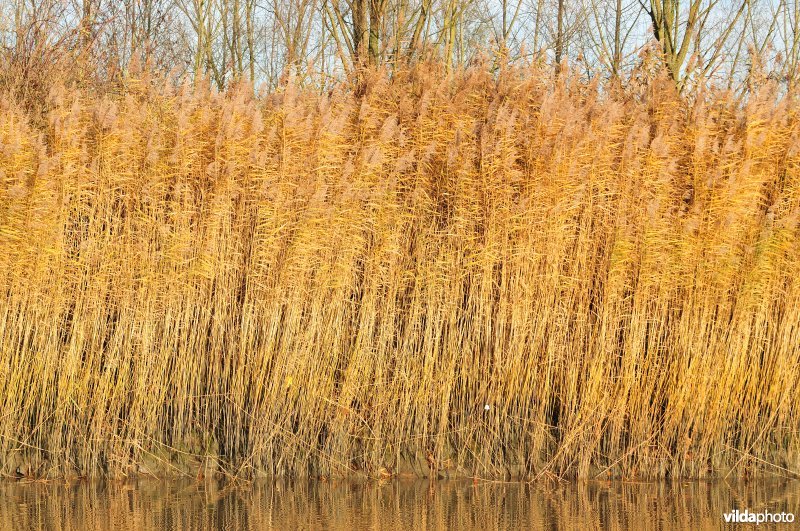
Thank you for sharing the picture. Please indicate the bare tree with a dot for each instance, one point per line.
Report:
(681, 26)
(610, 24)
(262, 39)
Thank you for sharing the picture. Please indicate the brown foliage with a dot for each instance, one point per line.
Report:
(325, 284)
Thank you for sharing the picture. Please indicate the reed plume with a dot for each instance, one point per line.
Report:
(480, 275)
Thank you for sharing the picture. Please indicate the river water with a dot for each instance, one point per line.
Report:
(392, 505)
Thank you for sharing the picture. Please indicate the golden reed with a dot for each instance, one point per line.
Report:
(498, 276)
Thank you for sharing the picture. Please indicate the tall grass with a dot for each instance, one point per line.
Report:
(472, 275)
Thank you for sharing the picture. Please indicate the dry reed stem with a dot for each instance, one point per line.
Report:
(308, 284)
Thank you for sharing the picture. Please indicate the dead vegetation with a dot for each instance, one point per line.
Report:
(498, 276)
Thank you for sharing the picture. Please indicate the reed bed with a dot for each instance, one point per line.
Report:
(478, 275)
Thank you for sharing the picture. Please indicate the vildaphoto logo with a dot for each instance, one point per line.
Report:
(746, 517)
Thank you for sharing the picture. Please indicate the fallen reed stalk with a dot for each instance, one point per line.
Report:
(477, 275)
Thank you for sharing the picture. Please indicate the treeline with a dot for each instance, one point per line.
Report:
(731, 43)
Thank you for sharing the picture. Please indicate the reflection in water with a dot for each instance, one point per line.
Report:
(392, 505)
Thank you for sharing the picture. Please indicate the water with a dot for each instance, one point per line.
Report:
(445, 505)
